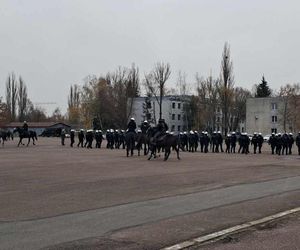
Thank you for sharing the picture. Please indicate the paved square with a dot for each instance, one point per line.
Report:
(99, 198)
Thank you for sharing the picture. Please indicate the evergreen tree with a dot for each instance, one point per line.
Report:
(262, 89)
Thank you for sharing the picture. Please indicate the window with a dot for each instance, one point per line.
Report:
(178, 128)
(218, 109)
(179, 105)
(274, 118)
(173, 105)
(274, 130)
(274, 106)
(173, 116)
(173, 128)
(179, 116)
(218, 119)
(148, 116)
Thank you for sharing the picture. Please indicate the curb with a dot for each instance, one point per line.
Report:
(228, 231)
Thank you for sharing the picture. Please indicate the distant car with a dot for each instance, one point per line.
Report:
(266, 138)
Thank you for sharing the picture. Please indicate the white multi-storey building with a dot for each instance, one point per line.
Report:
(147, 108)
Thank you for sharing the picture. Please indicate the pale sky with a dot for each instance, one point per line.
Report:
(55, 43)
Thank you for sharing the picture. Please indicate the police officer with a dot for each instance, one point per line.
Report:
(290, 142)
(298, 142)
(260, 141)
(214, 143)
(220, 141)
(278, 143)
(233, 140)
(89, 138)
(25, 126)
(272, 142)
(161, 127)
(202, 141)
(206, 141)
(80, 138)
(63, 136)
(285, 143)
(122, 138)
(227, 143)
(72, 137)
(145, 126)
(254, 142)
(131, 127)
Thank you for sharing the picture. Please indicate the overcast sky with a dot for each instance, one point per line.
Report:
(55, 43)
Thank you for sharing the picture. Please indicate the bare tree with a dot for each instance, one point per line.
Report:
(11, 95)
(22, 99)
(74, 103)
(155, 82)
(289, 111)
(226, 87)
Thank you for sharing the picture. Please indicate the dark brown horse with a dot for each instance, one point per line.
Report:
(167, 142)
(25, 134)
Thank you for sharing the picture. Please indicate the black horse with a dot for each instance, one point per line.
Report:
(165, 142)
(26, 134)
(142, 142)
(130, 142)
(5, 135)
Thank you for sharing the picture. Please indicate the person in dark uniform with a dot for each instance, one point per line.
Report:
(298, 142)
(260, 141)
(285, 143)
(214, 142)
(202, 141)
(72, 137)
(63, 136)
(122, 138)
(227, 143)
(272, 142)
(278, 144)
(233, 142)
(80, 138)
(161, 129)
(220, 141)
(254, 142)
(145, 126)
(290, 143)
(206, 141)
(25, 126)
(131, 127)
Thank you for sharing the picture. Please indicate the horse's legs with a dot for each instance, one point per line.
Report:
(20, 141)
(177, 151)
(28, 141)
(167, 153)
(33, 141)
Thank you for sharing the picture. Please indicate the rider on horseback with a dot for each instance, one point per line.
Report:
(25, 127)
(145, 126)
(131, 125)
(161, 130)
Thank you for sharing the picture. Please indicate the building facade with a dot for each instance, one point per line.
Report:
(267, 115)
(147, 108)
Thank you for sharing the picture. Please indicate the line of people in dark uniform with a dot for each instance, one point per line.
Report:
(280, 144)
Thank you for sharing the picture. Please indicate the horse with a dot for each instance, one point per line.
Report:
(25, 134)
(142, 141)
(130, 142)
(5, 135)
(166, 142)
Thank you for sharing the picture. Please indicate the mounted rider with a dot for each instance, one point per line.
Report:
(161, 129)
(131, 127)
(25, 127)
(145, 126)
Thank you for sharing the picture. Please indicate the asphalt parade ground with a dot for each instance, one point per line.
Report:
(56, 197)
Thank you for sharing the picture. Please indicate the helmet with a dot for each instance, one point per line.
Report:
(108, 131)
(145, 121)
(290, 133)
(233, 133)
(219, 132)
(228, 135)
(167, 132)
(100, 131)
(25, 122)
(206, 133)
(139, 131)
(82, 129)
(259, 133)
(273, 133)
(132, 119)
(196, 132)
(254, 133)
(112, 130)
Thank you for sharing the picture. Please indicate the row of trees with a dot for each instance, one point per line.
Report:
(18, 106)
